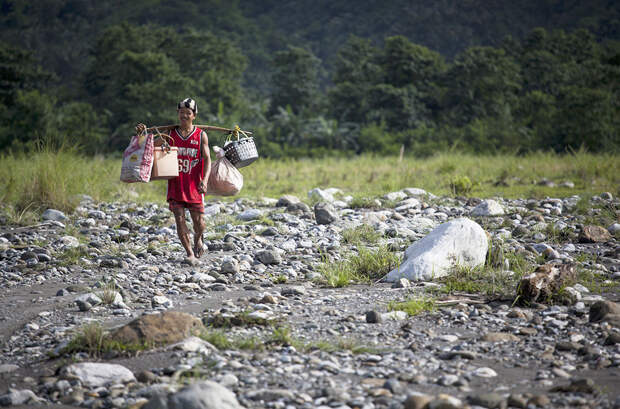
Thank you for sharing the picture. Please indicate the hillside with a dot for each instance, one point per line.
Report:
(62, 32)
(314, 78)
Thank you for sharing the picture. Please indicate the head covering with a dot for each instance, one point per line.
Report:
(188, 103)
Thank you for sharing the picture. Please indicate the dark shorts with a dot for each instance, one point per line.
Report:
(193, 207)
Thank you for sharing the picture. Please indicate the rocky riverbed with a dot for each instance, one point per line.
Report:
(292, 341)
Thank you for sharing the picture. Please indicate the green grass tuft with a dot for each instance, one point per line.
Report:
(93, 340)
(364, 202)
(72, 255)
(481, 280)
(596, 283)
(360, 234)
(365, 267)
(108, 293)
(217, 338)
(414, 306)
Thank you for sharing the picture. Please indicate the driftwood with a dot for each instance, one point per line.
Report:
(545, 282)
(447, 303)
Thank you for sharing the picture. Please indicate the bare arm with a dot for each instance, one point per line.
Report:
(206, 168)
(141, 128)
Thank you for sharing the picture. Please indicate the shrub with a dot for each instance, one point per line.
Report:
(460, 185)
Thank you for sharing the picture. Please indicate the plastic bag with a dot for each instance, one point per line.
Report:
(138, 159)
(224, 179)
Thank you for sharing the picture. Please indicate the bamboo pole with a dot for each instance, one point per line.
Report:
(203, 127)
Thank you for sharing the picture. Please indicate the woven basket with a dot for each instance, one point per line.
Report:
(241, 152)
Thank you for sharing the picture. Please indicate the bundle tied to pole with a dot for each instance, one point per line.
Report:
(240, 151)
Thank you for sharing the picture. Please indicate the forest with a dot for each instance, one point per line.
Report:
(315, 78)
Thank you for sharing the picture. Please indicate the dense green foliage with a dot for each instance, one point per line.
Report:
(315, 78)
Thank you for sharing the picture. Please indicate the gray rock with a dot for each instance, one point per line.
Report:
(488, 400)
(294, 290)
(484, 372)
(161, 301)
(517, 401)
(6, 368)
(614, 229)
(83, 305)
(200, 395)
(299, 207)
(270, 232)
(422, 224)
(69, 242)
(410, 203)
(488, 207)
(18, 397)
(94, 375)
(325, 213)
(568, 184)
(53, 214)
(321, 195)
(499, 337)
(269, 257)
(601, 309)
(373, 317)
(287, 200)
(395, 196)
(417, 401)
(193, 344)
(393, 386)
(447, 380)
(91, 298)
(212, 210)
(249, 215)
(417, 192)
(230, 266)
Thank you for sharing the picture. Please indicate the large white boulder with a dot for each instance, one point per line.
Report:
(94, 374)
(457, 242)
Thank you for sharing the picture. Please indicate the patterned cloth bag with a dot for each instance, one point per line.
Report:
(138, 159)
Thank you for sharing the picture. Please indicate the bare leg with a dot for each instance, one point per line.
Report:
(182, 230)
(199, 227)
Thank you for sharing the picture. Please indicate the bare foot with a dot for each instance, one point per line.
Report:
(191, 260)
(199, 249)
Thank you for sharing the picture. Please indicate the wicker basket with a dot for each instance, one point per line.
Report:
(241, 152)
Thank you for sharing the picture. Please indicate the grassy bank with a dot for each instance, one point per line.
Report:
(33, 182)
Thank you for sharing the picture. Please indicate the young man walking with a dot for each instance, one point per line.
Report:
(187, 190)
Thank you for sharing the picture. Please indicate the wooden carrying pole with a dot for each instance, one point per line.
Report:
(203, 127)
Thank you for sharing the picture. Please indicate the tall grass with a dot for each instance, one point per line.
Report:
(52, 177)
(374, 176)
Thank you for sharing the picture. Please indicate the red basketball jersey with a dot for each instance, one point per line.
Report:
(184, 188)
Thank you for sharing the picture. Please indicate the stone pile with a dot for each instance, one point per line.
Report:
(121, 265)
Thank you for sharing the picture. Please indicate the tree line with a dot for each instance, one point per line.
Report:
(551, 90)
